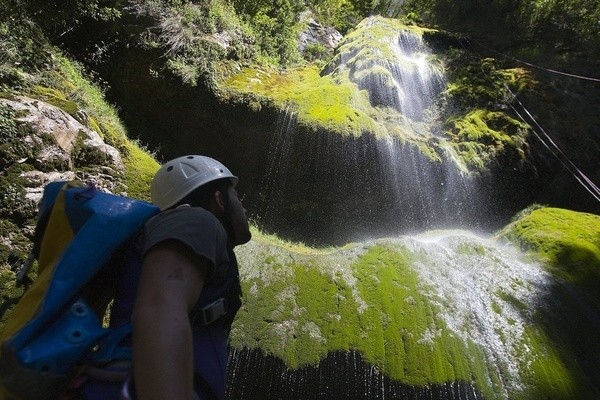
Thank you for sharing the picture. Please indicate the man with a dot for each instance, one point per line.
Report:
(188, 292)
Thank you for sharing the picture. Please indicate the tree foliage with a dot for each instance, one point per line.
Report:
(562, 23)
(274, 22)
(57, 17)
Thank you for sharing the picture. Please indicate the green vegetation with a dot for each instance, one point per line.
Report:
(140, 168)
(561, 23)
(332, 101)
(301, 303)
(319, 101)
(568, 241)
(401, 325)
(481, 137)
(553, 373)
(301, 312)
(274, 22)
(568, 244)
(474, 119)
(479, 127)
(476, 82)
(188, 32)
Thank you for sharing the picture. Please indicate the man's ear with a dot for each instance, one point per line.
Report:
(218, 202)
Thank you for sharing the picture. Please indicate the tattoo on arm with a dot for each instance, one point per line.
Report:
(176, 274)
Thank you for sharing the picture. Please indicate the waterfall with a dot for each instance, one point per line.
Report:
(323, 188)
(477, 285)
(405, 79)
(417, 306)
(441, 315)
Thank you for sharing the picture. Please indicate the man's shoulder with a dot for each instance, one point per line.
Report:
(185, 220)
(185, 215)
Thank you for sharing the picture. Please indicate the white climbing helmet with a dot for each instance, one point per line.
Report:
(181, 176)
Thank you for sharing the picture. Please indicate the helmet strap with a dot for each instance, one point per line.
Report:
(225, 217)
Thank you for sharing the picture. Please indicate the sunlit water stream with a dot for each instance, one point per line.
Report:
(483, 291)
(405, 80)
(332, 189)
(362, 189)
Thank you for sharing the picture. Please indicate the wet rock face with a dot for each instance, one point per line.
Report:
(392, 63)
(341, 375)
(319, 188)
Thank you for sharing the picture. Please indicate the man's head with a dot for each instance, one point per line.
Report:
(202, 182)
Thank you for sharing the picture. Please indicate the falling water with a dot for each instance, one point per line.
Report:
(278, 170)
(341, 375)
(333, 189)
(326, 189)
(406, 80)
(479, 292)
(470, 279)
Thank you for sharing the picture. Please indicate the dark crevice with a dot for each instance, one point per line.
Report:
(341, 375)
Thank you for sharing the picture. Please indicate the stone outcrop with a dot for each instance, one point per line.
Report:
(67, 149)
(317, 34)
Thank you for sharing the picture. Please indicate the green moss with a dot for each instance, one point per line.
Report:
(477, 122)
(414, 345)
(301, 303)
(375, 29)
(93, 125)
(140, 168)
(553, 373)
(319, 101)
(332, 100)
(301, 312)
(468, 249)
(497, 308)
(512, 300)
(477, 126)
(86, 156)
(56, 98)
(478, 129)
(568, 241)
(480, 136)
(292, 247)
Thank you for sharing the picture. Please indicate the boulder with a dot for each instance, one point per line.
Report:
(68, 132)
(315, 33)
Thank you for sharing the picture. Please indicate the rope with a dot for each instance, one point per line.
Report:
(587, 78)
(545, 138)
(582, 178)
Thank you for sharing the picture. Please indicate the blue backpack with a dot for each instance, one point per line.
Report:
(53, 332)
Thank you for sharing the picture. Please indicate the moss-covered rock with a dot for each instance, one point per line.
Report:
(384, 80)
(424, 310)
(568, 241)
(318, 102)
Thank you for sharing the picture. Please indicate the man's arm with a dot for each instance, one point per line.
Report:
(172, 278)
